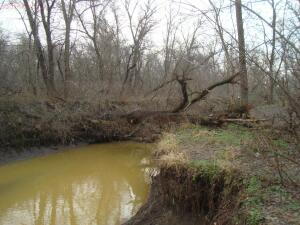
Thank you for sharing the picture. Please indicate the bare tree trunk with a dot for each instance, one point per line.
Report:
(118, 44)
(272, 58)
(242, 54)
(185, 96)
(29, 66)
(46, 19)
(68, 13)
(39, 49)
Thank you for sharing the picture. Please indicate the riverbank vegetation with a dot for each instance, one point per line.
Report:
(214, 83)
(223, 176)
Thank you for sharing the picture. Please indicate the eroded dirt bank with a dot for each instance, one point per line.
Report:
(187, 195)
(222, 176)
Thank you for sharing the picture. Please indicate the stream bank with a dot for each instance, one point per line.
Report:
(222, 176)
(34, 127)
(29, 123)
(184, 195)
(207, 175)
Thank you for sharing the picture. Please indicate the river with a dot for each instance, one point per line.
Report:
(101, 184)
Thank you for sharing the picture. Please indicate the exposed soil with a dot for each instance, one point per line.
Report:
(184, 195)
(157, 212)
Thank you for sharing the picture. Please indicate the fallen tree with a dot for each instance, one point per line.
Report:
(190, 99)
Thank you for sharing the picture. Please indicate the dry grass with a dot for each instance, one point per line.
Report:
(168, 151)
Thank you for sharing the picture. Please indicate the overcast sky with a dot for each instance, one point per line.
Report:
(12, 24)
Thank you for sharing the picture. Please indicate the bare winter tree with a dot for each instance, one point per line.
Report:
(28, 50)
(170, 41)
(139, 31)
(118, 51)
(99, 29)
(46, 9)
(271, 56)
(286, 33)
(242, 54)
(185, 71)
(68, 14)
(46, 63)
(117, 41)
(220, 31)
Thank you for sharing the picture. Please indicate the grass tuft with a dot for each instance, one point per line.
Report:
(205, 168)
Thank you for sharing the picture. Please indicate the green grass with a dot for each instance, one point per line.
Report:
(234, 135)
(254, 216)
(205, 168)
(276, 189)
(227, 137)
(281, 143)
(287, 201)
(254, 202)
(253, 185)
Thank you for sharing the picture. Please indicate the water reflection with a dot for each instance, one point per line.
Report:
(99, 184)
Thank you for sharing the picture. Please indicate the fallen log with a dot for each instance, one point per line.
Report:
(244, 120)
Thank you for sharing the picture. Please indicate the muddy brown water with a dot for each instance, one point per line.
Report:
(101, 184)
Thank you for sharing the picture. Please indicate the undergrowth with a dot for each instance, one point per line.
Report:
(253, 202)
(215, 152)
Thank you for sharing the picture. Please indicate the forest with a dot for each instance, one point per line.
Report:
(213, 86)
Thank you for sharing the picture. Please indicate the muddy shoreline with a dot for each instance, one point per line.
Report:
(96, 134)
(8, 156)
(41, 128)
